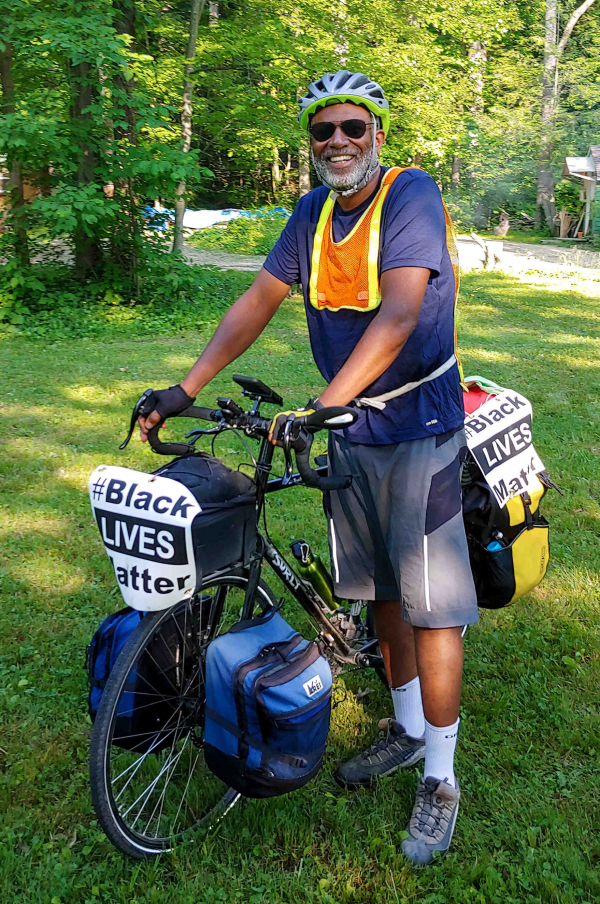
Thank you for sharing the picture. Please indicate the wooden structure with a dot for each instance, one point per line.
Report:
(586, 171)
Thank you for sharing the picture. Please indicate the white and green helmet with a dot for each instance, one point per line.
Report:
(344, 87)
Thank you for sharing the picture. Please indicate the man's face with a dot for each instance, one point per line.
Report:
(342, 161)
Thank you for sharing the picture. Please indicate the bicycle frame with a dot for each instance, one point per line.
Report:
(315, 607)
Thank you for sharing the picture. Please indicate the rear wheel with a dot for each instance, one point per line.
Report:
(149, 782)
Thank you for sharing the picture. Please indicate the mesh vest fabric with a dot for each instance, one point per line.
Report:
(344, 274)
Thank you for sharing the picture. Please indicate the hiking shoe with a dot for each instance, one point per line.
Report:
(432, 822)
(393, 750)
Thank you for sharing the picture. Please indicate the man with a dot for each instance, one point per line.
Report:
(379, 289)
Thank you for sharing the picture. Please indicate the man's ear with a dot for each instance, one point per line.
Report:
(379, 139)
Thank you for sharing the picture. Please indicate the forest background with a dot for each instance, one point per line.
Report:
(108, 108)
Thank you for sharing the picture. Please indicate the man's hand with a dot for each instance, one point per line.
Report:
(169, 402)
(279, 421)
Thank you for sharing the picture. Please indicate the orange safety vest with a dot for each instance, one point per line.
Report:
(345, 275)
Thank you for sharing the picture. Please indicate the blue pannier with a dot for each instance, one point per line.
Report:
(143, 718)
(268, 706)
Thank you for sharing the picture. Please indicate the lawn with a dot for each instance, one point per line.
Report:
(529, 746)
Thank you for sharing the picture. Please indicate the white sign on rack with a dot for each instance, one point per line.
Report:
(145, 522)
(499, 438)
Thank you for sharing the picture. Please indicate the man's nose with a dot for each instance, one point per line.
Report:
(338, 139)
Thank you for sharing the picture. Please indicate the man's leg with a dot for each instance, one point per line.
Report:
(440, 662)
(439, 654)
(401, 744)
(397, 645)
(396, 642)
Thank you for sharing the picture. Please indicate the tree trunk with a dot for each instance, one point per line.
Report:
(455, 177)
(124, 252)
(545, 185)
(275, 172)
(287, 171)
(478, 60)
(186, 118)
(17, 214)
(545, 203)
(88, 251)
(342, 47)
(303, 171)
(125, 25)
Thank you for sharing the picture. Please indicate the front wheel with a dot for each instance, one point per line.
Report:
(149, 782)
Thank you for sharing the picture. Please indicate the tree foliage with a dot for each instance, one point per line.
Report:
(90, 122)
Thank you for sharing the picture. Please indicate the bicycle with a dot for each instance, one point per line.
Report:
(146, 801)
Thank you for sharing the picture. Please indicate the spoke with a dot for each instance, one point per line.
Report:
(161, 800)
(149, 683)
(185, 617)
(149, 790)
(145, 755)
(184, 795)
(141, 734)
(135, 709)
(138, 763)
(161, 671)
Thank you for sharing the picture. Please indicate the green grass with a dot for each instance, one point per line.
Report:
(529, 746)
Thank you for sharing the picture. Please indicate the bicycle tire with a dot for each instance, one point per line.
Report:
(181, 743)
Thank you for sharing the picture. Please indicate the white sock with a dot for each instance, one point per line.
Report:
(440, 744)
(408, 708)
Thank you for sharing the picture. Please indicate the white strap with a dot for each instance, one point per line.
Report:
(379, 401)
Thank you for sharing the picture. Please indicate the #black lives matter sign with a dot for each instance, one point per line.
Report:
(145, 522)
(499, 438)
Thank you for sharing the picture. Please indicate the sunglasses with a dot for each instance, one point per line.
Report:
(352, 128)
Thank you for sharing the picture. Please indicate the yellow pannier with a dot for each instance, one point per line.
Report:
(509, 548)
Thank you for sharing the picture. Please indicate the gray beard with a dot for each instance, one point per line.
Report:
(364, 167)
(351, 182)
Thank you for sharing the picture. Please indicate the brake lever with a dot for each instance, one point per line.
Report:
(144, 405)
(286, 442)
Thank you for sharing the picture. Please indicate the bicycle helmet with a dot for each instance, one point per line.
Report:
(341, 87)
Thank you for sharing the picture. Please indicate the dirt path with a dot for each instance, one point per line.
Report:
(515, 255)
(522, 255)
(224, 260)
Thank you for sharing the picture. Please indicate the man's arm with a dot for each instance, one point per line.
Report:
(239, 328)
(402, 291)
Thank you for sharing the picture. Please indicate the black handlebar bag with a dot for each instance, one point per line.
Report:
(224, 531)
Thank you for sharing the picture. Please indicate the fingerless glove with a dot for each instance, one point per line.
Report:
(172, 401)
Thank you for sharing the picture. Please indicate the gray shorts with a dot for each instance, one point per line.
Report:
(398, 532)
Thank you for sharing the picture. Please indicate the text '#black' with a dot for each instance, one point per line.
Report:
(504, 446)
(143, 539)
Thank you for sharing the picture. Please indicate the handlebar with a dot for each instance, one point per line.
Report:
(297, 434)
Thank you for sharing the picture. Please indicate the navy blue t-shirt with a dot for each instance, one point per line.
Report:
(413, 234)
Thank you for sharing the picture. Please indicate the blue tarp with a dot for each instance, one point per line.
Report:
(204, 219)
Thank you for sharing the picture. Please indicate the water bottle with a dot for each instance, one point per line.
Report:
(311, 569)
(497, 543)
